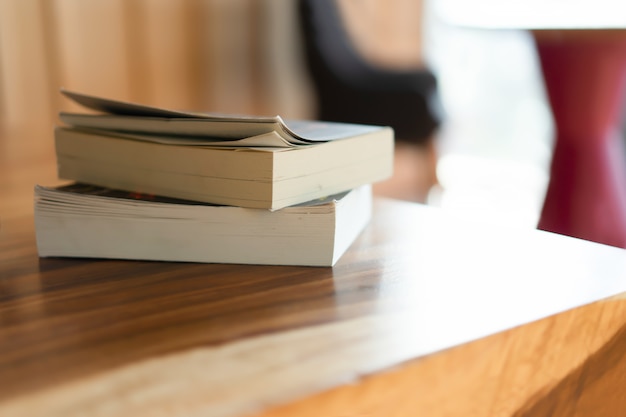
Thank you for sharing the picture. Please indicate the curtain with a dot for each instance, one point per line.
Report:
(236, 56)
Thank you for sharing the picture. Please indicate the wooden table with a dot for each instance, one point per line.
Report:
(581, 47)
(425, 315)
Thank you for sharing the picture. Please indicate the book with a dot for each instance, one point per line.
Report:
(81, 220)
(246, 161)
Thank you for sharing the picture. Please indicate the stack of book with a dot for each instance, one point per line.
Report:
(157, 184)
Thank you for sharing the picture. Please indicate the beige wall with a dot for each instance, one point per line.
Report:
(209, 55)
(215, 55)
(388, 32)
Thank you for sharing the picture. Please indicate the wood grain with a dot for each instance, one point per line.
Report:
(87, 326)
(515, 366)
(426, 314)
(596, 387)
(547, 368)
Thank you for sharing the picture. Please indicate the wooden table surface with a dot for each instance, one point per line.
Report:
(426, 314)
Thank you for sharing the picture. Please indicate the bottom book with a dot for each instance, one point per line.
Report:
(80, 220)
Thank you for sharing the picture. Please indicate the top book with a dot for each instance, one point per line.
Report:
(246, 161)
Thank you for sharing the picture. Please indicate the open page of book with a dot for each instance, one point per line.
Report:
(137, 118)
(262, 142)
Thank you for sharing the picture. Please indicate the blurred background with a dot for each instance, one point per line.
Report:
(489, 158)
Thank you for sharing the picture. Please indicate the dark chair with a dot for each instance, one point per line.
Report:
(351, 89)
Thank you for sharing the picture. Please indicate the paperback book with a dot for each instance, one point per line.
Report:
(255, 162)
(81, 220)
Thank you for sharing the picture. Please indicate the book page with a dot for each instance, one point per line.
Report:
(126, 116)
(264, 141)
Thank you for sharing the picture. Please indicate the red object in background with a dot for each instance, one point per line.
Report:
(584, 73)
